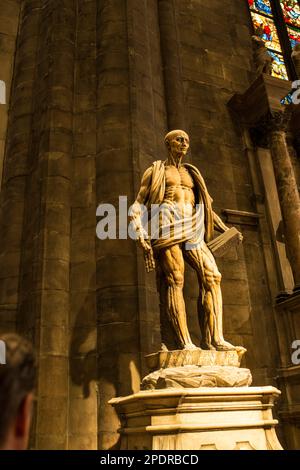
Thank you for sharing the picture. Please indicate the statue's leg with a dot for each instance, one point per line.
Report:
(172, 264)
(202, 260)
(206, 314)
(168, 338)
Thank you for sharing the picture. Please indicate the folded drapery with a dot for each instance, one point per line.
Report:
(172, 225)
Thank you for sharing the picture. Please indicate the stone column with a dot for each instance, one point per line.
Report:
(83, 402)
(43, 312)
(171, 65)
(9, 22)
(116, 276)
(15, 170)
(287, 189)
(130, 121)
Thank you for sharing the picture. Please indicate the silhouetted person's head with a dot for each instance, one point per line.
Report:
(17, 381)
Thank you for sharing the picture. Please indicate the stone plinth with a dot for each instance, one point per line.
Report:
(195, 377)
(199, 419)
(196, 357)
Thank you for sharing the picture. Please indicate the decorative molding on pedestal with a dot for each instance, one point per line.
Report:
(197, 357)
(199, 419)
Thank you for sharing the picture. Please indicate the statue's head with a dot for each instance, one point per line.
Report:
(177, 143)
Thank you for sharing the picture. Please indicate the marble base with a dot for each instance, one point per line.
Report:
(196, 357)
(199, 419)
(195, 377)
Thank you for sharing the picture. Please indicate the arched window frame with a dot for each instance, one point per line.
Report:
(279, 20)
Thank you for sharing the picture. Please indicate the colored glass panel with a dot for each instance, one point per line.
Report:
(261, 6)
(294, 35)
(266, 29)
(278, 66)
(288, 99)
(291, 12)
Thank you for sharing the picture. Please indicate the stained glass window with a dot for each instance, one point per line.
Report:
(265, 27)
(291, 12)
(277, 22)
(261, 6)
(278, 66)
(294, 35)
(267, 30)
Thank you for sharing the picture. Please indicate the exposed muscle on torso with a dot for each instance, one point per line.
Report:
(180, 188)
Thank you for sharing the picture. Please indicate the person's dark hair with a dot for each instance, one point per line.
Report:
(17, 378)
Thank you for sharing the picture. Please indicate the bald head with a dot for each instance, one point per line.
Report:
(177, 143)
(173, 134)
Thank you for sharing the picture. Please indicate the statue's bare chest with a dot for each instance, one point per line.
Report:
(178, 177)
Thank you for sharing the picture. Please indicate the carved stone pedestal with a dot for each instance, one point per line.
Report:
(228, 418)
(195, 357)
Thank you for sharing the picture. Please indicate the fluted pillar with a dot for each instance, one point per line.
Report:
(174, 91)
(130, 128)
(15, 169)
(287, 189)
(43, 312)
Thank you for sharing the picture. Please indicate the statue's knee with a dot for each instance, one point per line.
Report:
(175, 278)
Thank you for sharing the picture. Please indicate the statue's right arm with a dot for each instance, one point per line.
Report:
(136, 209)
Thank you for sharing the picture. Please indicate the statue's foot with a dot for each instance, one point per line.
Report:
(163, 347)
(189, 347)
(224, 346)
(207, 347)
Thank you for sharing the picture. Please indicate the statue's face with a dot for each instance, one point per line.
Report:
(179, 144)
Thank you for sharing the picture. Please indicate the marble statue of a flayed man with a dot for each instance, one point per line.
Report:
(179, 189)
